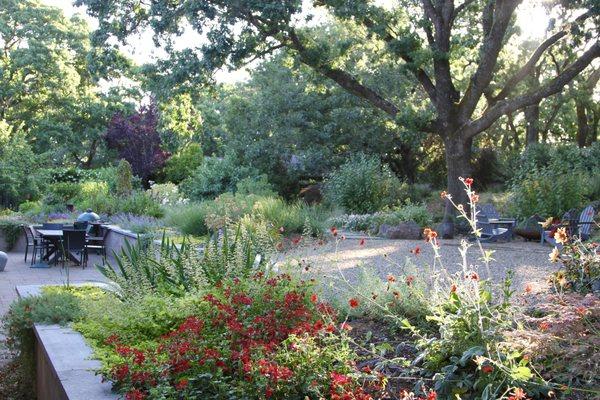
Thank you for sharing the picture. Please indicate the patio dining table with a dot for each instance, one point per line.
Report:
(54, 236)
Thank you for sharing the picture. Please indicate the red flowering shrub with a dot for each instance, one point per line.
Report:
(255, 338)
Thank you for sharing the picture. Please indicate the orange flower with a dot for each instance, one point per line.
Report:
(473, 276)
(314, 298)
(468, 181)
(391, 278)
(333, 231)
(561, 235)
(487, 369)
(345, 327)
(528, 288)
(518, 394)
(544, 326)
(429, 234)
(444, 194)
(453, 288)
(581, 310)
(474, 198)
(416, 251)
(353, 302)
(409, 280)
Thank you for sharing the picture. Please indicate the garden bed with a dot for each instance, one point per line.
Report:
(64, 367)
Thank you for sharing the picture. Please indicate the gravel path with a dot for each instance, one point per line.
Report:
(528, 260)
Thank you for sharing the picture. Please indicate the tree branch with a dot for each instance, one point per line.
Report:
(343, 78)
(419, 73)
(554, 86)
(489, 52)
(461, 7)
(535, 57)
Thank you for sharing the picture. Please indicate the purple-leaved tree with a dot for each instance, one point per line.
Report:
(137, 140)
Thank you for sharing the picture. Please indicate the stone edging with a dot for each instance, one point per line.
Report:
(64, 364)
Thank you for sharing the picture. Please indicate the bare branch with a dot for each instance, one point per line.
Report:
(535, 57)
(554, 86)
(461, 7)
(343, 78)
(488, 58)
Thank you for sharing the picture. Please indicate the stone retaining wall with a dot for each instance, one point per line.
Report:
(65, 369)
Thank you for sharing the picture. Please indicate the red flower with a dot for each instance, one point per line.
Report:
(416, 251)
(333, 231)
(468, 181)
(353, 302)
(314, 298)
(362, 242)
(391, 278)
(135, 394)
(544, 326)
(431, 395)
(453, 288)
(487, 369)
(409, 280)
(121, 372)
(297, 240)
(339, 379)
(182, 384)
(473, 276)
(429, 234)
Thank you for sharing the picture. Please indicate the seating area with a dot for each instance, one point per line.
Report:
(52, 243)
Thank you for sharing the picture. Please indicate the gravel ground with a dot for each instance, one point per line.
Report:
(528, 260)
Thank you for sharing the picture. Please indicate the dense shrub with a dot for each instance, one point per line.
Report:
(183, 163)
(136, 223)
(61, 193)
(189, 219)
(141, 203)
(166, 194)
(215, 176)
(258, 185)
(291, 218)
(11, 229)
(17, 166)
(124, 178)
(362, 185)
(548, 193)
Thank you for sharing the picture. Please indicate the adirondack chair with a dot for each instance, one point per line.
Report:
(575, 227)
(493, 227)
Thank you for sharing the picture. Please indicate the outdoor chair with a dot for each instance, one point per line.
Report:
(492, 226)
(34, 241)
(73, 241)
(575, 227)
(98, 244)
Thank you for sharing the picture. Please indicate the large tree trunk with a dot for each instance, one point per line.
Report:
(582, 124)
(458, 164)
(532, 123)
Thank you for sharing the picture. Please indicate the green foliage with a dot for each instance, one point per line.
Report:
(61, 193)
(548, 193)
(581, 267)
(408, 212)
(17, 166)
(258, 185)
(189, 219)
(471, 357)
(124, 179)
(182, 164)
(141, 203)
(12, 229)
(362, 185)
(215, 176)
(181, 268)
(52, 307)
(293, 218)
